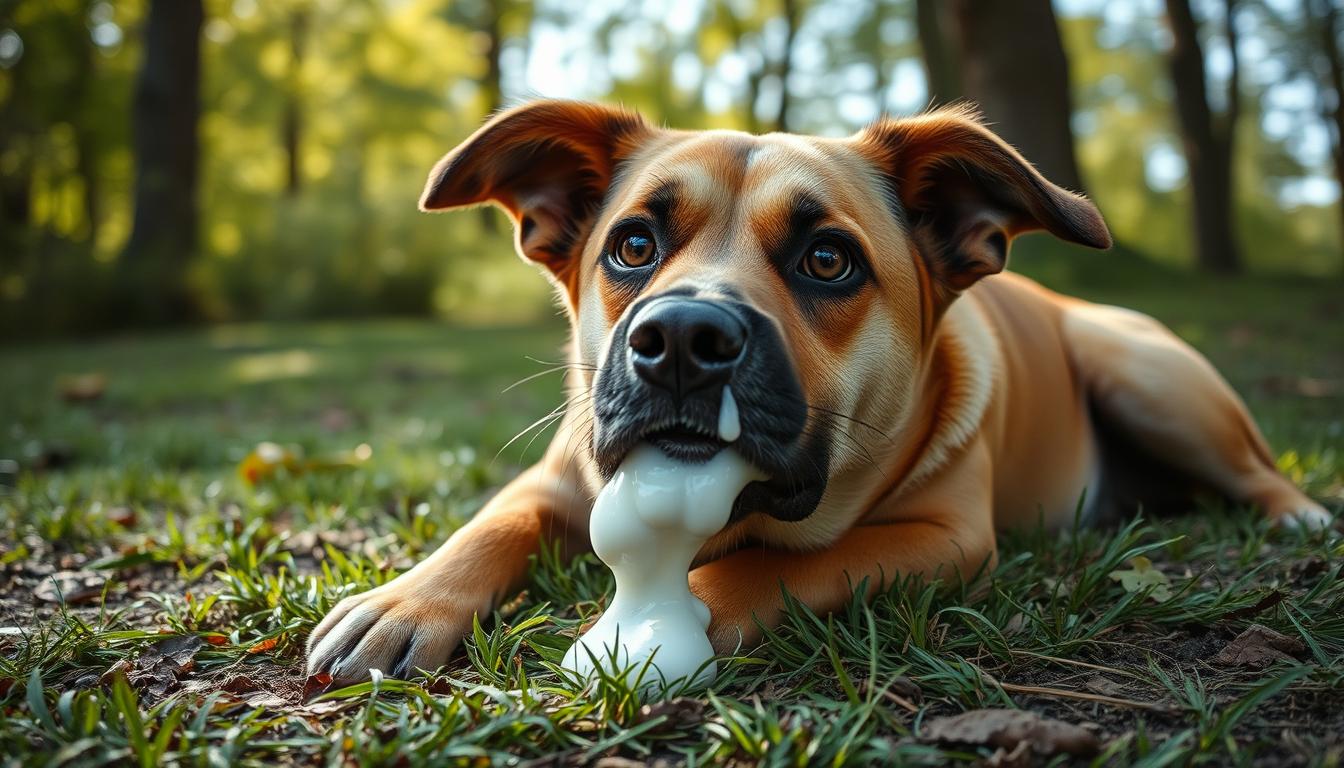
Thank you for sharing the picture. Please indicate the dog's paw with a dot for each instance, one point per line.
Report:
(398, 628)
(1311, 517)
(735, 617)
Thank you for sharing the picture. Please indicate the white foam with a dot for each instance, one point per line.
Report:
(647, 525)
(730, 426)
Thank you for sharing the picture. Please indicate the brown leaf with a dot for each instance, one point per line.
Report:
(1259, 647)
(240, 684)
(1104, 685)
(265, 645)
(266, 700)
(83, 388)
(316, 685)
(1007, 729)
(181, 649)
(71, 587)
(1251, 611)
(120, 669)
(123, 516)
(907, 689)
(681, 713)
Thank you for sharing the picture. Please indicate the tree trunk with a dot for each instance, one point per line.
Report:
(1206, 137)
(84, 123)
(165, 112)
(493, 84)
(1328, 21)
(292, 128)
(1013, 65)
(941, 76)
(792, 18)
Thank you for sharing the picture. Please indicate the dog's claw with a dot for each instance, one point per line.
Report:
(395, 629)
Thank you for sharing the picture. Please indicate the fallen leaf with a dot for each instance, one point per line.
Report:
(266, 700)
(1251, 611)
(119, 669)
(1259, 647)
(265, 645)
(1104, 685)
(123, 516)
(181, 649)
(266, 460)
(83, 388)
(70, 587)
(907, 689)
(682, 713)
(215, 639)
(1007, 729)
(1141, 576)
(316, 685)
(614, 761)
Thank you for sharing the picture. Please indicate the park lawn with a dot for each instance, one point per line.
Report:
(154, 604)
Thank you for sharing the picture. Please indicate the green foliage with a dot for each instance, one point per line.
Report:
(379, 90)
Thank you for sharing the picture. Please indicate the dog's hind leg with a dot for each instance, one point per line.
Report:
(1165, 397)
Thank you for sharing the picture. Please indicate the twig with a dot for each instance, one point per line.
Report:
(1084, 664)
(1063, 694)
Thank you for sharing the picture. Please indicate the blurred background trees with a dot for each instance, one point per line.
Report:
(164, 161)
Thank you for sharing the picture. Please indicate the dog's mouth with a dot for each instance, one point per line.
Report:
(686, 443)
(758, 411)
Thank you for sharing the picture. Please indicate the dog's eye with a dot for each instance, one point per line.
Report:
(634, 249)
(826, 261)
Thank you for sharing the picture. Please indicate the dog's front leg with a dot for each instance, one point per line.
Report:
(944, 530)
(417, 619)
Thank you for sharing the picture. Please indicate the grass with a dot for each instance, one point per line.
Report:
(153, 604)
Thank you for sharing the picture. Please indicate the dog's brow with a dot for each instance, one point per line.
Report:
(662, 202)
(805, 211)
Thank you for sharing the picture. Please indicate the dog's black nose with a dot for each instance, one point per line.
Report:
(682, 345)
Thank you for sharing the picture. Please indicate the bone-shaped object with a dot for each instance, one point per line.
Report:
(647, 525)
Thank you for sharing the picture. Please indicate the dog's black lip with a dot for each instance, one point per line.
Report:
(685, 443)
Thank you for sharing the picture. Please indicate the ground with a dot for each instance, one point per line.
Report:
(158, 573)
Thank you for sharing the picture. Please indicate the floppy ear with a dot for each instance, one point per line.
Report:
(548, 163)
(967, 194)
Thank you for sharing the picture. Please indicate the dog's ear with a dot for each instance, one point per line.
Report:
(966, 193)
(548, 163)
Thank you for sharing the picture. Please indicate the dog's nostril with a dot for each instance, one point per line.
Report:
(647, 341)
(714, 345)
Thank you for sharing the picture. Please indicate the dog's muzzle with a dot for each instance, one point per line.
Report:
(663, 382)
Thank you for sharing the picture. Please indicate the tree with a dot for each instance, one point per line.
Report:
(792, 16)
(1325, 16)
(940, 65)
(166, 148)
(292, 126)
(1013, 65)
(1207, 137)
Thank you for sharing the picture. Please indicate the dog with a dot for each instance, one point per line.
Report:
(905, 396)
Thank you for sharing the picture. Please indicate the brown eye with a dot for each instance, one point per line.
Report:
(635, 249)
(827, 262)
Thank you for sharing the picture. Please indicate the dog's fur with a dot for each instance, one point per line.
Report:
(930, 406)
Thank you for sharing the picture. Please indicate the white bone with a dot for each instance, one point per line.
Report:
(647, 525)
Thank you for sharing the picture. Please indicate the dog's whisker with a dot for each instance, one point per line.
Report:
(534, 376)
(579, 365)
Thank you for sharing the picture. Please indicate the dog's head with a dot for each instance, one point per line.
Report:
(808, 275)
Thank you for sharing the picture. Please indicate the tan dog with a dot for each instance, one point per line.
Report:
(903, 406)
